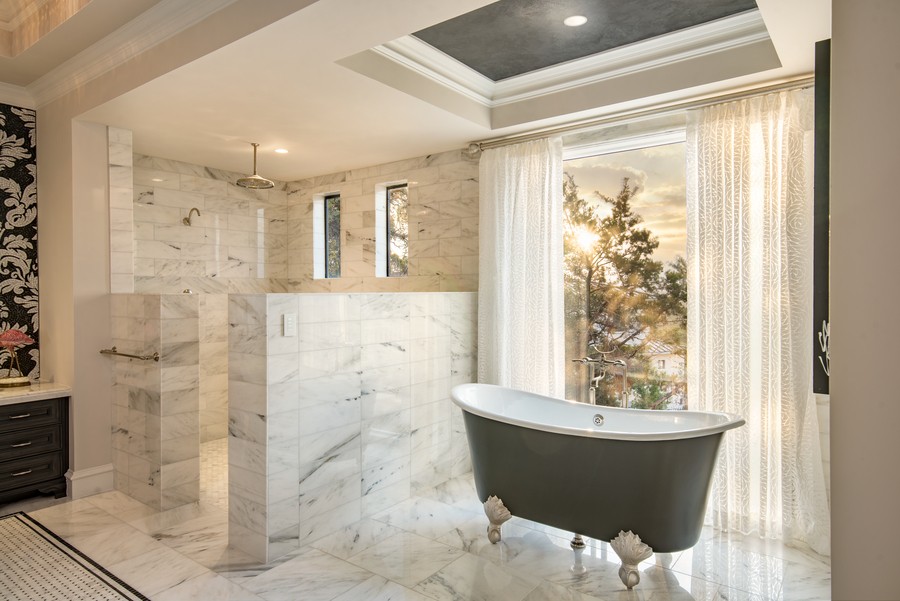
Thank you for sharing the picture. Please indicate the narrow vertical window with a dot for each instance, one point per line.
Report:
(333, 236)
(397, 230)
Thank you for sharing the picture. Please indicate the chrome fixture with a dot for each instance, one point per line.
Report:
(597, 373)
(187, 220)
(255, 182)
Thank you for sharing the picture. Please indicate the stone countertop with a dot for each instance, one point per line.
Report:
(35, 392)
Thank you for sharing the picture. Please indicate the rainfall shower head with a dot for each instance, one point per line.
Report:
(255, 182)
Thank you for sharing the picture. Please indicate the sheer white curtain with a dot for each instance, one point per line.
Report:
(749, 318)
(520, 294)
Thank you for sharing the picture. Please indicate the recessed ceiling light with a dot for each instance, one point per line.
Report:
(575, 20)
(281, 150)
(157, 179)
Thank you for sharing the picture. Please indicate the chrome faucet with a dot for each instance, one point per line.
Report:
(597, 373)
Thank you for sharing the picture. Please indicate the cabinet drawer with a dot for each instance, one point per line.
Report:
(29, 470)
(29, 415)
(30, 442)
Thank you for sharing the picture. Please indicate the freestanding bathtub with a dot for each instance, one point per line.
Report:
(589, 469)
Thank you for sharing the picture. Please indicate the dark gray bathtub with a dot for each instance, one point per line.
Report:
(647, 472)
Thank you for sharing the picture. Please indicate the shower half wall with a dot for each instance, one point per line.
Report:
(345, 419)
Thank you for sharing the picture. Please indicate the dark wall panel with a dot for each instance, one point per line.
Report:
(822, 185)
(18, 237)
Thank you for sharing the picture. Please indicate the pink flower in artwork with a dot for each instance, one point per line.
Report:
(10, 339)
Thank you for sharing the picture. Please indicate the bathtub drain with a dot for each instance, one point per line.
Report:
(598, 419)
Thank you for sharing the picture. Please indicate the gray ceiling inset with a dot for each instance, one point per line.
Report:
(512, 37)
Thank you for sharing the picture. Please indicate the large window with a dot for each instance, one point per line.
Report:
(625, 277)
(397, 230)
(332, 236)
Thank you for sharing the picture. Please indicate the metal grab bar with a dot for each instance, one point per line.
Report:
(115, 351)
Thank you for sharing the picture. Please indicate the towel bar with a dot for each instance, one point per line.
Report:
(115, 351)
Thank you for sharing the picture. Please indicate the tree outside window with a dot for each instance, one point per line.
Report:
(625, 300)
(398, 230)
(333, 236)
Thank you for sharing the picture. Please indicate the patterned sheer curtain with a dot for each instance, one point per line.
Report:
(749, 319)
(520, 294)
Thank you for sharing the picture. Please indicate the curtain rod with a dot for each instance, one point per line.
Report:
(617, 118)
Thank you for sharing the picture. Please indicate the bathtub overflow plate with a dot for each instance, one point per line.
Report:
(598, 419)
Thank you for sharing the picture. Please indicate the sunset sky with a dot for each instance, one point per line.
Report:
(659, 172)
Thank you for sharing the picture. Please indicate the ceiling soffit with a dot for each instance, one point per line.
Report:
(726, 48)
(512, 37)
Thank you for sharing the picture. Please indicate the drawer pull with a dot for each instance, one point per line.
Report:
(22, 416)
(25, 473)
(21, 444)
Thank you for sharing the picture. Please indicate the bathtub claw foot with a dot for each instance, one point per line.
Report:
(577, 544)
(631, 551)
(496, 513)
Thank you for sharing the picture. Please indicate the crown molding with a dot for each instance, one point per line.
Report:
(423, 58)
(147, 30)
(16, 96)
(709, 38)
(701, 40)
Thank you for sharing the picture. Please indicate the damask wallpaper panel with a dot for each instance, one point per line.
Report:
(18, 237)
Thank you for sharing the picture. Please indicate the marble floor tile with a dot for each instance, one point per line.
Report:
(121, 505)
(477, 579)
(355, 538)
(207, 587)
(432, 546)
(77, 518)
(471, 537)
(239, 567)
(154, 572)
(203, 539)
(547, 591)
(734, 567)
(458, 492)
(377, 588)
(406, 558)
(310, 575)
(804, 582)
(732, 594)
(113, 545)
(172, 517)
(425, 517)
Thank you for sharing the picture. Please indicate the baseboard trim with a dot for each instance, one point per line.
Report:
(90, 481)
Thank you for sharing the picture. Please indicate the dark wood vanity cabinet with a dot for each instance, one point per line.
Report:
(34, 448)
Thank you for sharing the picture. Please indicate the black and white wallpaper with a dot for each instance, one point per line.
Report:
(18, 237)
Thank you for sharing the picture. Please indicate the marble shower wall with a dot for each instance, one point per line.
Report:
(238, 243)
(443, 226)
(213, 366)
(347, 418)
(121, 210)
(156, 429)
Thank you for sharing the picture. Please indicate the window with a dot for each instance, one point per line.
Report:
(332, 219)
(326, 235)
(625, 273)
(397, 223)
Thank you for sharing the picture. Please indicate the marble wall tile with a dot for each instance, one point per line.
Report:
(430, 220)
(155, 418)
(343, 412)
